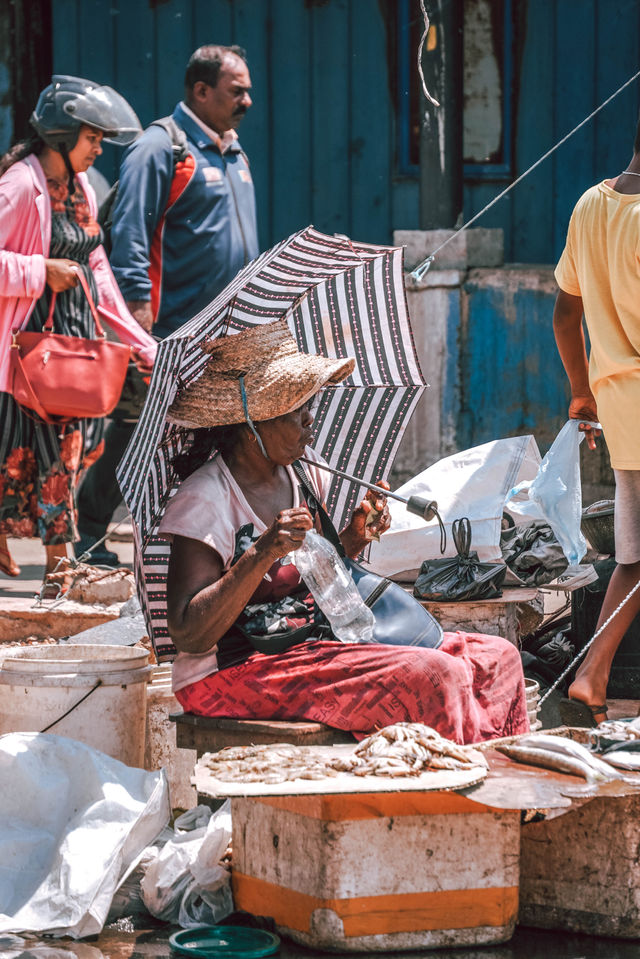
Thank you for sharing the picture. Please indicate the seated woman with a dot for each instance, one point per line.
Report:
(232, 524)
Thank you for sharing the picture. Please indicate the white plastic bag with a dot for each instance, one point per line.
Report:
(555, 494)
(471, 483)
(127, 900)
(185, 884)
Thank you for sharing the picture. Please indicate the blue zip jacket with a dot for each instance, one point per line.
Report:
(179, 240)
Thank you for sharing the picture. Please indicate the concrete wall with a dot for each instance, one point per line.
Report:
(485, 342)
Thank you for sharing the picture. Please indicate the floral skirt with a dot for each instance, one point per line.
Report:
(40, 468)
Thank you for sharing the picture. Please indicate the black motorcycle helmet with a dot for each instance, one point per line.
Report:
(69, 102)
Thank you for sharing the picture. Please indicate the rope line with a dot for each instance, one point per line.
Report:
(87, 553)
(588, 645)
(422, 268)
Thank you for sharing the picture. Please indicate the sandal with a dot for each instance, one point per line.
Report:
(574, 712)
(7, 564)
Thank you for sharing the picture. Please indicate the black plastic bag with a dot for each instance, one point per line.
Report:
(533, 553)
(461, 577)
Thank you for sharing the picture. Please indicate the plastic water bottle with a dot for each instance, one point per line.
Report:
(333, 589)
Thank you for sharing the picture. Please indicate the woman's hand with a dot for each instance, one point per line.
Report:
(369, 521)
(62, 274)
(141, 312)
(203, 602)
(286, 533)
(142, 364)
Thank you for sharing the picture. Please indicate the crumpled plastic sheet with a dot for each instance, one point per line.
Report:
(73, 824)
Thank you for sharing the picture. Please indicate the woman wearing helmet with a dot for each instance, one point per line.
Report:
(48, 234)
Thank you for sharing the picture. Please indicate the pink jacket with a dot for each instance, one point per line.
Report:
(25, 235)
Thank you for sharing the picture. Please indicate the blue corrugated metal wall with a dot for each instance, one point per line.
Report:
(574, 54)
(321, 134)
(317, 135)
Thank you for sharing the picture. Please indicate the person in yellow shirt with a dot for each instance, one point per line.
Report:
(599, 276)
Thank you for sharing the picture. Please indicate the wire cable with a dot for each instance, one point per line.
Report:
(422, 268)
(598, 632)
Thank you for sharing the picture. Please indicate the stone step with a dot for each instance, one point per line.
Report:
(20, 619)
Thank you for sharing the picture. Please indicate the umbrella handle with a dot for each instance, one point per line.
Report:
(426, 508)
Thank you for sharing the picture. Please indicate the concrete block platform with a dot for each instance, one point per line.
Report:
(21, 618)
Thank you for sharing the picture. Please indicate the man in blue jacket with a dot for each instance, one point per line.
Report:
(178, 238)
(181, 231)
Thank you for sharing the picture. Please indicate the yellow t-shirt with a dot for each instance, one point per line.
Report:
(601, 263)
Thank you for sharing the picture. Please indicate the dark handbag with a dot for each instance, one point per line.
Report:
(64, 378)
(399, 619)
(460, 577)
(247, 633)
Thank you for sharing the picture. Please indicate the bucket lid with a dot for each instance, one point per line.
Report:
(226, 942)
(75, 659)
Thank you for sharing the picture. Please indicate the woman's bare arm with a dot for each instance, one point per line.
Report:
(202, 601)
(569, 333)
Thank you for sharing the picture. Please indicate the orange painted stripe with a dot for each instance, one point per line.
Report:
(380, 915)
(352, 806)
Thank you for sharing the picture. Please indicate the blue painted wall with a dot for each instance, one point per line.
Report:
(569, 56)
(322, 133)
(511, 377)
(503, 375)
(318, 133)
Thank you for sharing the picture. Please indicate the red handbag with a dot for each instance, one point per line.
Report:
(65, 378)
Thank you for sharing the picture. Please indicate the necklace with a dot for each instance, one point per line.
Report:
(630, 172)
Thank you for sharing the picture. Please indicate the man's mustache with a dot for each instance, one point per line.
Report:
(239, 111)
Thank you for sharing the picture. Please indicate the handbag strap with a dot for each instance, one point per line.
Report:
(18, 367)
(316, 508)
(48, 326)
(461, 531)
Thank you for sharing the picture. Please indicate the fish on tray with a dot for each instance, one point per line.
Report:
(624, 755)
(560, 754)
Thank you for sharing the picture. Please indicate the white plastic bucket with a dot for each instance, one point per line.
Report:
(95, 694)
(161, 751)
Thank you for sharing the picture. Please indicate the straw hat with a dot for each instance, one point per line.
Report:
(265, 360)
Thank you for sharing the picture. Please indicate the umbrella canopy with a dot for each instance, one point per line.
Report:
(340, 298)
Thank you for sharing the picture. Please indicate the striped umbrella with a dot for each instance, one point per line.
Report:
(340, 298)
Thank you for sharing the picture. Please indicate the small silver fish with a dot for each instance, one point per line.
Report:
(624, 758)
(549, 759)
(568, 747)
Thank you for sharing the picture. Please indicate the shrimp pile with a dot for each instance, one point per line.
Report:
(404, 749)
(277, 763)
(408, 749)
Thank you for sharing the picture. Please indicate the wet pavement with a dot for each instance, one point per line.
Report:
(152, 940)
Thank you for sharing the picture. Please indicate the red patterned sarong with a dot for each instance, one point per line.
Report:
(470, 689)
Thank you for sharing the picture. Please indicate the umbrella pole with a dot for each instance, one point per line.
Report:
(419, 505)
